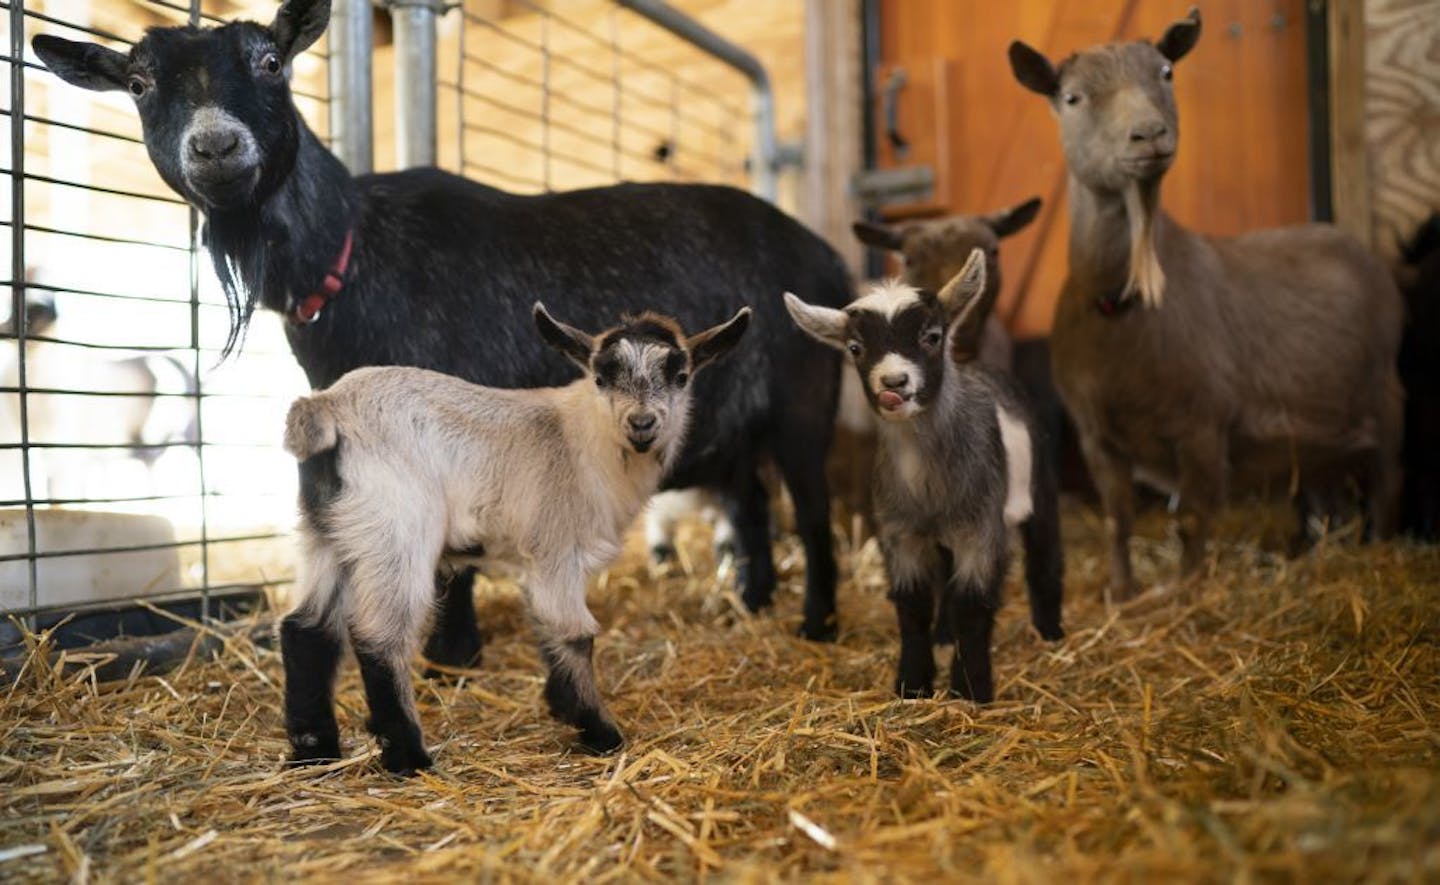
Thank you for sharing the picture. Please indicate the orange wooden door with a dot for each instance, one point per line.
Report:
(1243, 159)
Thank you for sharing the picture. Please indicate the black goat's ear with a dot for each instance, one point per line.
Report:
(878, 236)
(1008, 221)
(87, 65)
(569, 340)
(1180, 37)
(1033, 70)
(297, 24)
(707, 346)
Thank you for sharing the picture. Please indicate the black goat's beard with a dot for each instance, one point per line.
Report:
(237, 251)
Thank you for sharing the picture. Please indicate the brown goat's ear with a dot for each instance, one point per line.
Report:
(707, 346)
(1008, 221)
(297, 24)
(1180, 37)
(878, 236)
(961, 296)
(569, 340)
(1033, 70)
(87, 65)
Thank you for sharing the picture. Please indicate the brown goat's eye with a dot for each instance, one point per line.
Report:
(137, 86)
(1167, 72)
(1072, 98)
(270, 64)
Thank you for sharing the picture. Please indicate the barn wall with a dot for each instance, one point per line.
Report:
(1402, 117)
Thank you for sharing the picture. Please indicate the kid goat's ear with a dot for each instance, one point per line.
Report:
(1008, 221)
(961, 296)
(569, 340)
(825, 324)
(707, 346)
(1033, 70)
(1180, 37)
(297, 24)
(877, 236)
(87, 65)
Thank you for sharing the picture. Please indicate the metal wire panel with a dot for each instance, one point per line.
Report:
(567, 95)
(132, 462)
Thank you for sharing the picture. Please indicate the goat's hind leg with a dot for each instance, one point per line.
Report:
(1385, 475)
(391, 698)
(310, 646)
(455, 639)
(1044, 554)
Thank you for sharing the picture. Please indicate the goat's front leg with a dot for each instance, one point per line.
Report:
(1201, 457)
(567, 638)
(916, 566)
(973, 597)
(1113, 474)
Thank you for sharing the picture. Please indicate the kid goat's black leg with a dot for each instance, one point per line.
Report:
(573, 696)
(972, 612)
(915, 567)
(392, 711)
(311, 654)
(455, 638)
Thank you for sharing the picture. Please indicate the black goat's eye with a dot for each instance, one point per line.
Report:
(1072, 98)
(1167, 72)
(137, 86)
(270, 64)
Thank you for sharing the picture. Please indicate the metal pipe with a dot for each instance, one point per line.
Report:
(415, 70)
(765, 159)
(351, 41)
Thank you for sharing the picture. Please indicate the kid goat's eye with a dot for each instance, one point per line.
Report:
(1072, 98)
(270, 64)
(854, 348)
(931, 338)
(136, 86)
(681, 378)
(1167, 72)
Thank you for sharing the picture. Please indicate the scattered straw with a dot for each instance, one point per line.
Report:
(1279, 719)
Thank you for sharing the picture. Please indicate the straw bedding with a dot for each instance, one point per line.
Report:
(1276, 720)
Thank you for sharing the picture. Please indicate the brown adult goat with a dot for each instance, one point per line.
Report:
(1186, 359)
(935, 251)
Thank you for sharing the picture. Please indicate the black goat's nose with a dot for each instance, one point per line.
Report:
(641, 422)
(899, 379)
(1148, 131)
(214, 144)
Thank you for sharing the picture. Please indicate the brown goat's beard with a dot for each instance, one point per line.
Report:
(1147, 278)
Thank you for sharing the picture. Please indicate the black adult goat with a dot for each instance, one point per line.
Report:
(423, 268)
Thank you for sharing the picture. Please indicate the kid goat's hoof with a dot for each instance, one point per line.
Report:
(914, 692)
(403, 758)
(826, 632)
(601, 739)
(1050, 632)
(314, 748)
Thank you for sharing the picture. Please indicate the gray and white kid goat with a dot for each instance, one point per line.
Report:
(402, 468)
(959, 463)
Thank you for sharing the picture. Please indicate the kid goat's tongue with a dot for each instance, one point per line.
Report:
(890, 400)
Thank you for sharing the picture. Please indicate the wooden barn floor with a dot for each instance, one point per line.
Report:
(1278, 720)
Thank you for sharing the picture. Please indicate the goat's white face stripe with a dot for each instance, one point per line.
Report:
(895, 364)
(645, 360)
(887, 299)
(1016, 439)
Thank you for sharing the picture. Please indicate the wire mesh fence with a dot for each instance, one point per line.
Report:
(130, 453)
(134, 464)
(555, 96)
